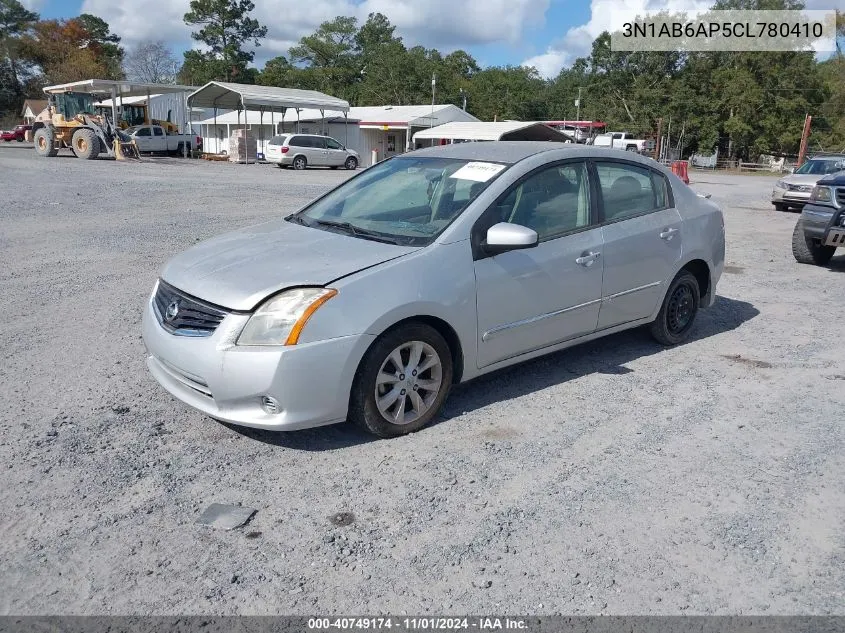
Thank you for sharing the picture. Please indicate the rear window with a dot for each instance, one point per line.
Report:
(299, 141)
(279, 140)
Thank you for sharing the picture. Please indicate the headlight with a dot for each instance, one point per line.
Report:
(821, 194)
(280, 319)
(780, 184)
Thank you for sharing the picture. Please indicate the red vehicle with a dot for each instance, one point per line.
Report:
(15, 135)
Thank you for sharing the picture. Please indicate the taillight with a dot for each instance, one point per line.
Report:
(285, 149)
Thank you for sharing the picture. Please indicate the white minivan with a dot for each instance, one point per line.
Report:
(309, 150)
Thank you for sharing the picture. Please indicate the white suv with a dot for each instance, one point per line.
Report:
(309, 150)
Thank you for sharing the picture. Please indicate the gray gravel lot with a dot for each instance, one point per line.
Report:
(617, 477)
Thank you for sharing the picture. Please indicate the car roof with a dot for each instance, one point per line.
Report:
(511, 152)
(827, 157)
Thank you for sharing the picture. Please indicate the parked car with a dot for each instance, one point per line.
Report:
(18, 134)
(310, 150)
(793, 191)
(155, 139)
(625, 141)
(429, 269)
(821, 228)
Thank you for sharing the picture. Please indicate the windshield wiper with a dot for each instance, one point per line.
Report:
(293, 217)
(357, 231)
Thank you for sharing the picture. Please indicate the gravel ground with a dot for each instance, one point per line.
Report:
(617, 477)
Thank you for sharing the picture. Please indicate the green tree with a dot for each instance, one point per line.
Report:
(331, 53)
(15, 22)
(226, 29)
(104, 43)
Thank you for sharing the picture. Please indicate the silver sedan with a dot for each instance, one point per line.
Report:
(424, 271)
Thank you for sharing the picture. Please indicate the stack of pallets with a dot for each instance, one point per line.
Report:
(242, 147)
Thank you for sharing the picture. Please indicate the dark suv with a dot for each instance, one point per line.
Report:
(821, 228)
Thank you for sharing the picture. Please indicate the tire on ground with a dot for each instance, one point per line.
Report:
(683, 297)
(363, 409)
(85, 144)
(351, 163)
(806, 250)
(779, 206)
(43, 139)
(300, 162)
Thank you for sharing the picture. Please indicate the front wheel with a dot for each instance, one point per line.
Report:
(85, 144)
(44, 145)
(402, 382)
(351, 163)
(806, 250)
(677, 314)
(299, 163)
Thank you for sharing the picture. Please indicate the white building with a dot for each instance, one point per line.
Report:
(387, 130)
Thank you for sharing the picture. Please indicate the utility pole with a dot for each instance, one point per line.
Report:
(464, 95)
(433, 88)
(578, 105)
(805, 137)
(659, 139)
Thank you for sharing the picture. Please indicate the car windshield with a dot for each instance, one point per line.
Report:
(822, 166)
(406, 200)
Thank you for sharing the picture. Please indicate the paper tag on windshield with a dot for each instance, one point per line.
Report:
(479, 172)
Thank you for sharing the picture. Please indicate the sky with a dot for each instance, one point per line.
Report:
(546, 34)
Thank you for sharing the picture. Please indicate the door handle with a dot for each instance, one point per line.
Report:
(668, 234)
(587, 258)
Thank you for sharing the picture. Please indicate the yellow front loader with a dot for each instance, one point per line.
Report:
(70, 121)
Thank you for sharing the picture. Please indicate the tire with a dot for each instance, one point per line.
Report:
(351, 163)
(676, 318)
(300, 163)
(43, 140)
(401, 343)
(19, 139)
(806, 250)
(781, 207)
(85, 144)
(631, 148)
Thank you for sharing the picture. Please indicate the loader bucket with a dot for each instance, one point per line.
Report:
(124, 150)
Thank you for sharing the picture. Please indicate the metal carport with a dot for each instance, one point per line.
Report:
(118, 89)
(493, 131)
(229, 96)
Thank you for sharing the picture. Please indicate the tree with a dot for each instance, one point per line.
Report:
(332, 53)
(15, 22)
(152, 62)
(104, 43)
(226, 28)
(66, 51)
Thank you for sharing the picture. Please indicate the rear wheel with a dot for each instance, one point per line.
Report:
(44, 142)
(351, 163)
(807, 250)
(402, 382)
(299, 163)
(85, 144)
(677, 314)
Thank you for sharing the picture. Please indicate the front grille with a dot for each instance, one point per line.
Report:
(803, 188)
(840, 196)
(183, 315)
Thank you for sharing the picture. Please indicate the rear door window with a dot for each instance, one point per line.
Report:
(144, 131)
(157, 131)
(299, 141)
(628, 190)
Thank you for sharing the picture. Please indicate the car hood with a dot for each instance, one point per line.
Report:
(802, 179)
(239, 270)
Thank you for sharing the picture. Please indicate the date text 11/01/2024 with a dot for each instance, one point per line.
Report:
(723, 29)
(417, 624)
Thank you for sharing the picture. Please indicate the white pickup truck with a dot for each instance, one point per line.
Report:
(624, 140)
(156, 140)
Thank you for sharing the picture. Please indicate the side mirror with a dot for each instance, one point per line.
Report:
(503, 237)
